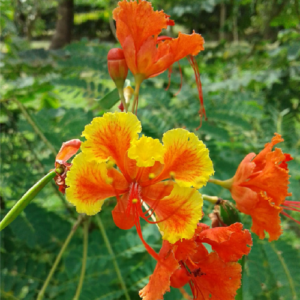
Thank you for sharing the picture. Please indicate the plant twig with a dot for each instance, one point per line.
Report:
(112, 254)
(35, 127)
(84, 257)
(25, 200)
(57, 260)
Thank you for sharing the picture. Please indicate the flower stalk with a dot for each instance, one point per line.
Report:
(112, 254)
(58, 258)
(25, 200)
(84, 257)
(226, 184)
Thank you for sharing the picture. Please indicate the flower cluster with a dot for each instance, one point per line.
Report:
(159, 182)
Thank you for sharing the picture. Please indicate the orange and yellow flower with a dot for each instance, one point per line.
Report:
(214, 276)
(260, 187)
(146, 54)
(116, 162)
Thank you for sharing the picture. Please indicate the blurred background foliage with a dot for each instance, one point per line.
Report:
(53, 84)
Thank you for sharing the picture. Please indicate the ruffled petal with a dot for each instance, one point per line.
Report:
(245, 198)
(89, 184)
(218, 279)
(178, 213)
(185, 248)
(272, 179)
(67, 150)
(187, 158)
(159, 281)
(110, 136)
(260, 159)
(138, 20)
(146, 151)
(266, 217)
(231, 242)
(185, 44)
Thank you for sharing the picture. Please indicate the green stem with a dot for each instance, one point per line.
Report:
(35, 127)
(138, 81)
(223, 183)
(211, 199)
(121, 94)
(24, 201)
(84, 256)
(57, 260)
(112, 254)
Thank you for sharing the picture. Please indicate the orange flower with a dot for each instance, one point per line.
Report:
(67, 150)
(146, 54)
(260, 187)
(217, 273)
(144, 175)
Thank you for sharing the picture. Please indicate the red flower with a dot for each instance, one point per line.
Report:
(217, 273)
(146, 54)
(260, 187)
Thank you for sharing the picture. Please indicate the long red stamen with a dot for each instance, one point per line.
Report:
(290, 217)
(194, 65)
(139, 231)
(294, 203)
(290, 208)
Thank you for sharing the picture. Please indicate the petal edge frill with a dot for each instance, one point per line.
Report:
(231, 242)
(266, 217)
(159, 281)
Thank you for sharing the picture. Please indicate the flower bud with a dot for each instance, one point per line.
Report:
(117, 66)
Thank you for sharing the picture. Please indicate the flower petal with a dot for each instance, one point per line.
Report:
(159, 281)
(146, 151)
(265, 217)
(178, 213)
(218, 279)
(260, 158)
(157, 191)
(123, 219)
(231, 242)
(67, 150)
(89, 184)
(185, 44)
(110, 136)
(139, 21)
(187, 158)
(272, 179)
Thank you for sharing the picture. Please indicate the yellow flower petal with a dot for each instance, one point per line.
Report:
(89, 184)
(186, 159)
(179, 213)
(146, 151)
(110, 136)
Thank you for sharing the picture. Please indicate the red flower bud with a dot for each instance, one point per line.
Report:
(117, 66)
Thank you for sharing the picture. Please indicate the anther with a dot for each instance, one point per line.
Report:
(151, 176)
(110, 164)
(109, 180)
(134, 201)
(172, 175)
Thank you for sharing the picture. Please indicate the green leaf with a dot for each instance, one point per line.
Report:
(109, 100)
